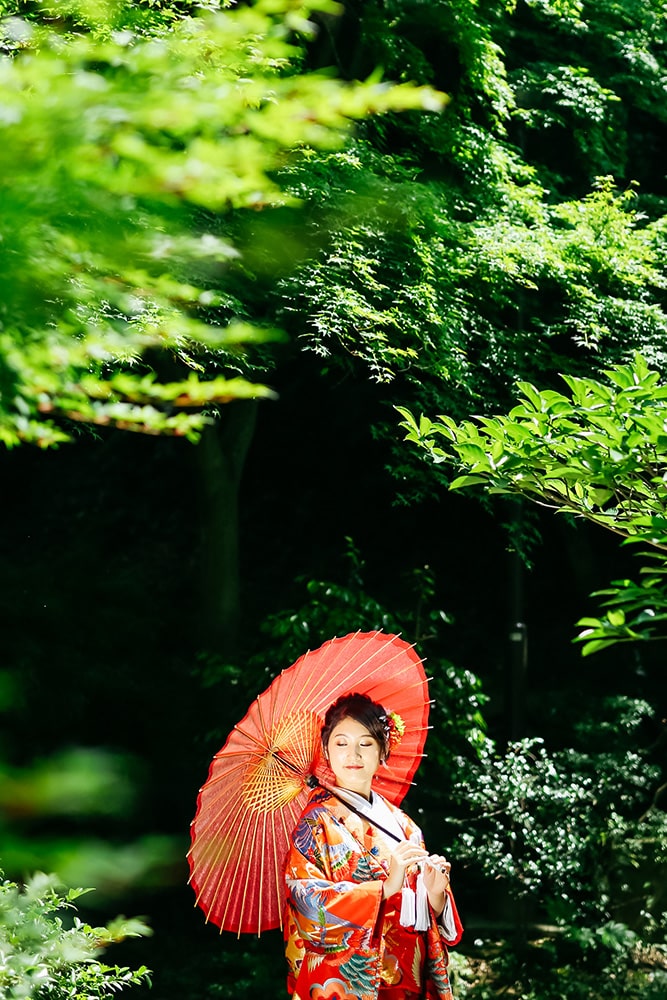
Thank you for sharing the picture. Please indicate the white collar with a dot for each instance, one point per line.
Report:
(376, 810)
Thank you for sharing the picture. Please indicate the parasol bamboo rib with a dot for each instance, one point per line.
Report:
(220, 794)
(334, 668)
(231, 820)
(230, 896)
(252, 833)
(242, 767)
(239, 812)
(213, 820)
(228, 819)
(213, 860)
(249, 872)
(315, 693)
(278, 862)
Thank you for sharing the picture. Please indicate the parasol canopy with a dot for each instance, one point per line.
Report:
(258, 783)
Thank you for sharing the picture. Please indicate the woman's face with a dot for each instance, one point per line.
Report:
(354, 756)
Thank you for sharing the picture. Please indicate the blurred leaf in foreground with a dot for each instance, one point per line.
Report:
(125, 140)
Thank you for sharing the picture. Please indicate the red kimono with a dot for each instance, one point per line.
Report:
(343, 941)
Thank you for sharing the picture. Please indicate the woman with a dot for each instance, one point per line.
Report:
(369, 912)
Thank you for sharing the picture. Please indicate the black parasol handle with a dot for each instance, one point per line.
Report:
(314, 782)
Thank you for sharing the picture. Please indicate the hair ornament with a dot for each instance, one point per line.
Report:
(396, 728)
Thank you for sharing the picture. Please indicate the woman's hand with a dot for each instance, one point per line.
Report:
(405, 854)
(436, 871)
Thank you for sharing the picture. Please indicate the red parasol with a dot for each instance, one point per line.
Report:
(258, 783)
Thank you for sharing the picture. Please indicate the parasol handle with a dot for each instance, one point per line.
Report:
(314, 782)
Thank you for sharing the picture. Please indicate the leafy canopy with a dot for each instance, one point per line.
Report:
(124, 143)
(599, 452)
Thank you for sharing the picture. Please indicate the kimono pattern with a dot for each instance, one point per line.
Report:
(343, 941)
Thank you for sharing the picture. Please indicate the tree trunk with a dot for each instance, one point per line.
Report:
(220, 457)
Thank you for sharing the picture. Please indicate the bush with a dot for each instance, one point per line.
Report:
(575, 838)
(42, 957)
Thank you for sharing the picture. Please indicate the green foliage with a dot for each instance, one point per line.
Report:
(120, 151)
(49, 816)
(589, 85)
(569, 98)
(519, 800)
(636, 609)
(448, 308)
(575, 834)
(480, 86)
(484, 259)
(597, 453)
(378, 292)
(75, 781)
(43, 956)
(335, 608)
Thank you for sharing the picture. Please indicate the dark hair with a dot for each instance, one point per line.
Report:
(363, 710)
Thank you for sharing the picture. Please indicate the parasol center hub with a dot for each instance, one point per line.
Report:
(281, 771)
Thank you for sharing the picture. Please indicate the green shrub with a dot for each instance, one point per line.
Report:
(46, 957)
(570, 846)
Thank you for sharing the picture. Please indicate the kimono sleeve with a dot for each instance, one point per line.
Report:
(329, 906)
(449, 922)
